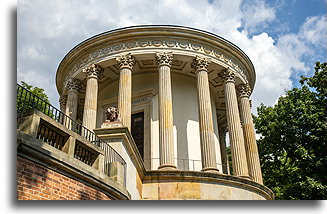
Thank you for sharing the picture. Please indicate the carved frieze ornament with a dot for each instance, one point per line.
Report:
(227, 75)
(244, 90)
(201, 63)
(112, 114)
(73, 84)
(164, 58)
(93, 70)
(126, 61)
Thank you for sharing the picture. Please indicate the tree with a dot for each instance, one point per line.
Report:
(292, 145)
(32, 99)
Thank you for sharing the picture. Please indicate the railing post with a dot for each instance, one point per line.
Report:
(69, 146)
(29, 124)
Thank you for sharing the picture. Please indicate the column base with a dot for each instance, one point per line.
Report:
(244, 177)
(211, 170)
(167, 167)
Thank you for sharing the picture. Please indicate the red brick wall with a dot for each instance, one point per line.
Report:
(36, 182)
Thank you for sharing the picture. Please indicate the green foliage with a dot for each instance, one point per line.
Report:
(35, 98)
(292, 146)
(35, 90)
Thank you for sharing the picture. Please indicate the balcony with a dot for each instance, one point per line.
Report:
(46, 134)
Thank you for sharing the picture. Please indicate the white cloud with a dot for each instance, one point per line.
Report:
(49, 29)
(314, 30)
(257, 13)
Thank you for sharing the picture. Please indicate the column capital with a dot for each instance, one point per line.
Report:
(93, 70)
(126, 61)
(164, 58)
(73, 85)
(201, 63)
(62, 101)
(227, 75)
(244, 90)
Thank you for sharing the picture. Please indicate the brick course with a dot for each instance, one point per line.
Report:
(37, 182)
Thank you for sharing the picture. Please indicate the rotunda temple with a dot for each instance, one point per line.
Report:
(178, 92)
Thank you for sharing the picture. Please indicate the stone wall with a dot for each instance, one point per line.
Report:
(37, 182)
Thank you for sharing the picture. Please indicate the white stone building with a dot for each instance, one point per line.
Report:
(178, 90)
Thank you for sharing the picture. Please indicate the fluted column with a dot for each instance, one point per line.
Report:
(239, 161)
(208, 153)
(93, 73)
(73, 88)
(166, 135)
(62, 103)
(251, 147)
(223, 149)
(126, 63)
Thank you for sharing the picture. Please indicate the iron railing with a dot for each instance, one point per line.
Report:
(186, 164)
(26, 100)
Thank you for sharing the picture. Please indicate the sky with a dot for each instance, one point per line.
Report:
(283, 38)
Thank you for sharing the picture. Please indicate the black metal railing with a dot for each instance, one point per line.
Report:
(26, 100)
(51, 135)
(84, 154)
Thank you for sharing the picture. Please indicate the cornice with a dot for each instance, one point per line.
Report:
(152, 39)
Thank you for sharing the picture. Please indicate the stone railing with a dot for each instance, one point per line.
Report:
(41, 122)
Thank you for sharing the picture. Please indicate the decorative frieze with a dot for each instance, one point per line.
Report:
(164, 58)
(218, 54)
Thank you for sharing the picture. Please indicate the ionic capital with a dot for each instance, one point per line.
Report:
(164, 58)
(227, 75)
(201, 63)
(73, 84)
(126, 61)
(93, 70)
(244, 90)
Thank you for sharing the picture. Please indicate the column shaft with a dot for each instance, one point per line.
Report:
(93, 72)
(166, 135)
(126, 63)
(72, 104)
(208, 153)
(223, 149)
(251, 147)
(239, 162)
(73, 87)
(90, 105)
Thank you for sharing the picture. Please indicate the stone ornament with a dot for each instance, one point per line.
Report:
(216, 53)
(73, 84)
(63, 101)
(126, 61)
(112, 114)
(164, 58)
(244, 90)
(93, 70)
(227, 75)
(201, 63)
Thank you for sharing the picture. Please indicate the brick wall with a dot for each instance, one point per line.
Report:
(37, 182)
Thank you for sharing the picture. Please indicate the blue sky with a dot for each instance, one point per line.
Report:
(283, 38)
